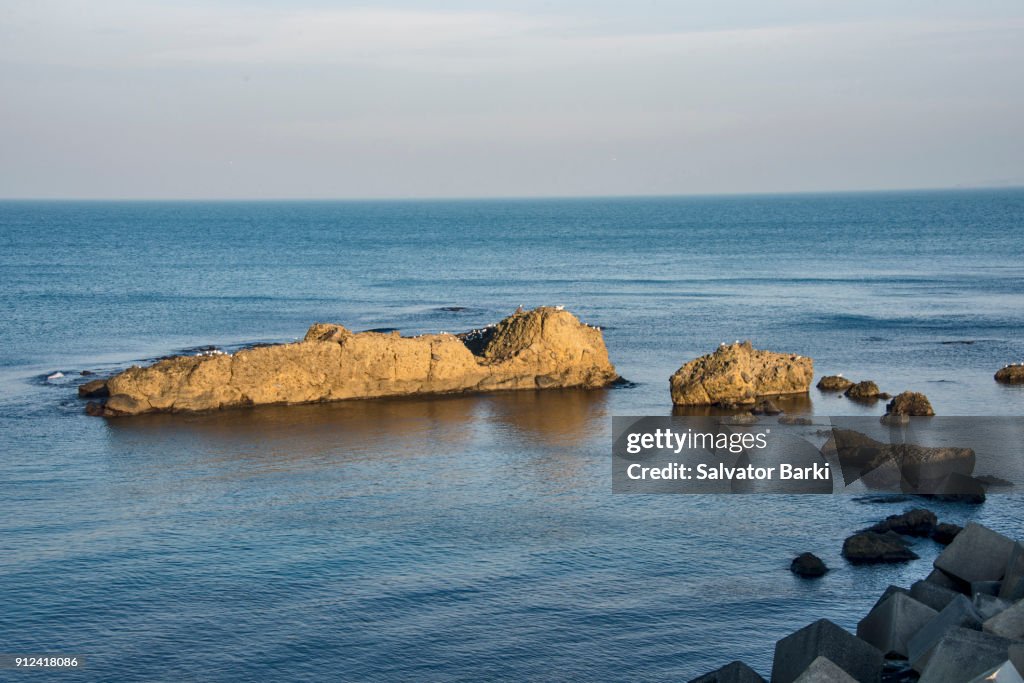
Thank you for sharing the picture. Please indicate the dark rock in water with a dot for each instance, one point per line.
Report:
(945, 532)
(991, 482)
(734, 672)
(910, 403)
(1011, 374)
(885, 395)
(964, 654)
(809, 565)
(797, 651)
(86, 373)
(863, 391)
(869, 547)
(976, 554)
(916, 522)
(453, 309)
(97, 388)
(766, 407)
(95, 409)
(834, 383)
(894, 622)
(905, 467)
(790, 420)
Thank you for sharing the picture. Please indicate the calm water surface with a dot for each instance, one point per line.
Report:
(460, 538)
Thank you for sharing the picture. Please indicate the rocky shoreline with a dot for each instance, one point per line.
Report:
(962, 623)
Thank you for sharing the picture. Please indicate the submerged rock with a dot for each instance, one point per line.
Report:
(739, 374)
(1011, 374)
(834, 383)
(539, 349)
(910, 403)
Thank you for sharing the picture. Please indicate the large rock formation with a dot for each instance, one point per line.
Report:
(543, 348)
(738, 374)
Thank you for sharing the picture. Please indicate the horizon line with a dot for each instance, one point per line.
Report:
(450, 198)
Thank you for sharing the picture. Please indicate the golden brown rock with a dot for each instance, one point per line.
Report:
(1011, 374)
(910, 403)
(546, 347)
(864, 391)
(739, 374)
(834, 383)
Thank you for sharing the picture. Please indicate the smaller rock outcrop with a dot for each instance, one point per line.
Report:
(739, 374)
(834, 383)
(869, 547)
(916, 522)
(808, 565)
(910, 403)
(1011, 374)
(864, 391)
(97, 388)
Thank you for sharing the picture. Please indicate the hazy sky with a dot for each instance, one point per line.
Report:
(161, 98)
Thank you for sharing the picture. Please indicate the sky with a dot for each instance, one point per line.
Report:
(312, 99)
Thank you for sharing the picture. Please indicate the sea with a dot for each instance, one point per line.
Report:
(470, 537)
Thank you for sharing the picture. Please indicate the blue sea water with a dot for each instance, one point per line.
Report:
(468, 537)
